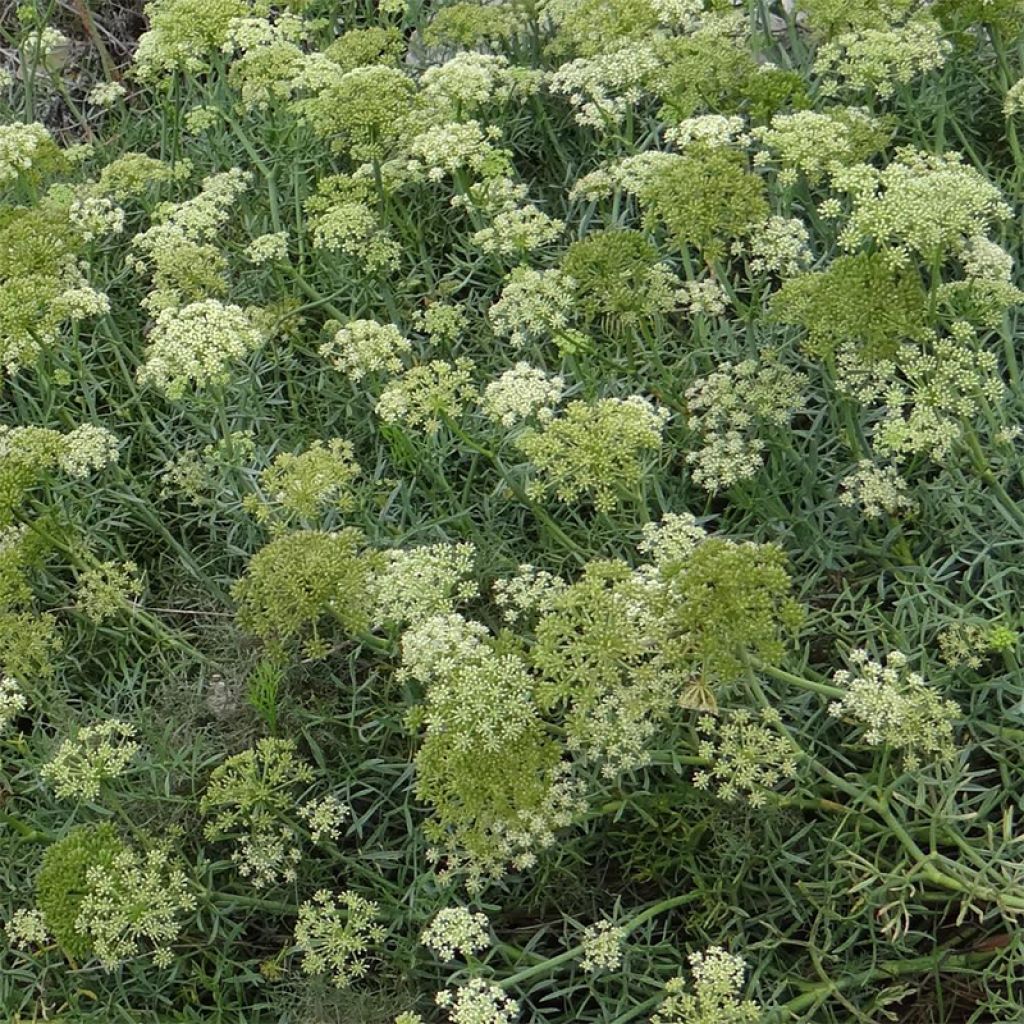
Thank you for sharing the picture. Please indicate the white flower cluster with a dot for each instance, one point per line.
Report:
(417, 583)
(522, 392)
(106, 94)
(324, 817)
(748, 757)
(446, 149)
(943, 387)
(876, 490)
(334, 934)
(710, 130)
(86, 449)
(595, 449)
(268, 248)
(880, 59)
(778, 246)
(631, 174)
(533, 304)
(715, 998)
(468, 80)
(671, 540)
(19, 146)
(180, 249)
(138, 897)
(985, 260)
(814, 143)
(478, 1002)
(456, 931)
(896, 708)
(362, 347)
(529, 591)
(918, 205)
(705, 297)
(27, 929)
(602, 947)
(603, 88)
(95, 217)
(194, 347)
(727, 407)
(424, 396)
(12, 701)
(517, 230)
(95, 754)
(1013, 103)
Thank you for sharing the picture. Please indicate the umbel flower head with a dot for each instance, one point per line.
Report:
(183, 35)
(594, 449)
(602, 947)
(705, 198)
(21, 146)
(304, 581)
(192, 348)
(364, 347)
(309, 482)
(252, 798)
(62, 882)
(748, 756)
(414, 584)
(478, 1002)
(715, 995)
(521, 393)
(96, 753)
(729, 408)
(895, 707)
(140, 897)
(456, 931)
(426, 395)
(486, 766)
(335, 932)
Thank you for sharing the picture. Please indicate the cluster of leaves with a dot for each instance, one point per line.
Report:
(512, 511)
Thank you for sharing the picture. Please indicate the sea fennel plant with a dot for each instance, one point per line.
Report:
(511, 511)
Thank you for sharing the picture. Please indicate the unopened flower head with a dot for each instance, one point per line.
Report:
(309, 482)
(597, 449)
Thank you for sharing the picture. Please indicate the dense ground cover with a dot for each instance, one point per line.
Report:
(512, 512)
